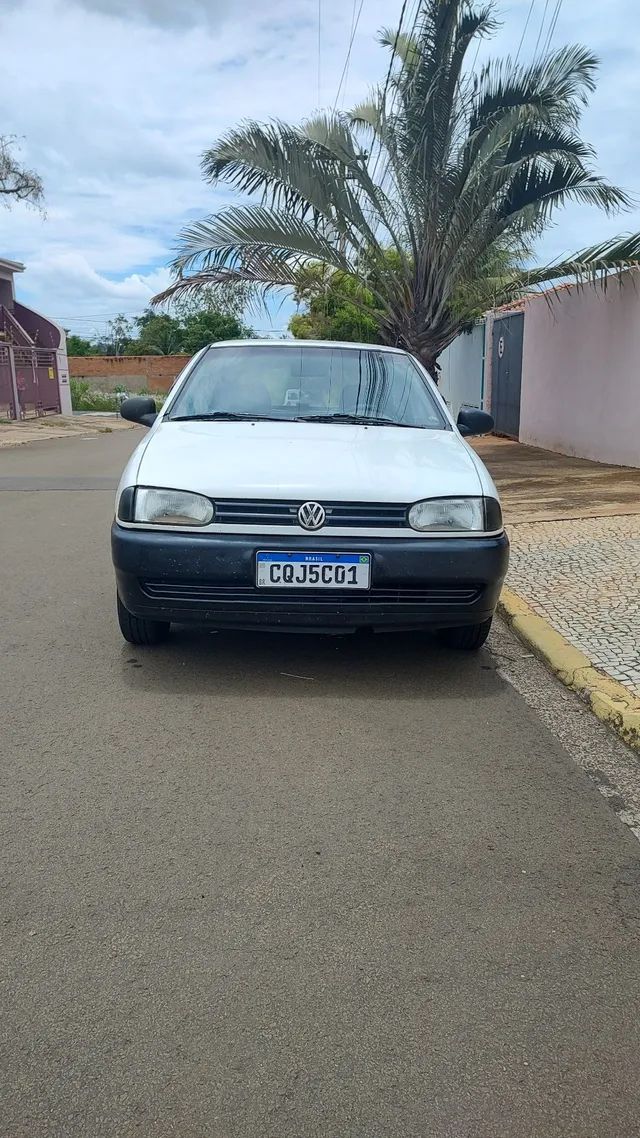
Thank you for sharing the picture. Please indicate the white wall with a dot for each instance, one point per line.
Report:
(581, 372)
(461, 370)
(63, 377)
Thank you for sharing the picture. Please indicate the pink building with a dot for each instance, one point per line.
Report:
(34, 374)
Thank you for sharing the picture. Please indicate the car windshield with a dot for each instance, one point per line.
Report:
(305, 383)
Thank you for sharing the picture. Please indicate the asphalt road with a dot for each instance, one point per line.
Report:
(260, 886)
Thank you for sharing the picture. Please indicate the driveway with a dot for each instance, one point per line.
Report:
(540, 486)
(285, 886)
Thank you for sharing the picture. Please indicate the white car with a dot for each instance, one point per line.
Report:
(307, 485)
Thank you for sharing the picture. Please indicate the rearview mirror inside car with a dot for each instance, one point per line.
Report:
(139, 409)
(473, 422)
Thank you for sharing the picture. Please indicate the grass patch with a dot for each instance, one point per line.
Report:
(83, 398)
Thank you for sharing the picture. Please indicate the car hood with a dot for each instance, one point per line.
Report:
(325, 461)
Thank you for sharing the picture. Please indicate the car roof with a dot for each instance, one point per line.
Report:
(308, 344)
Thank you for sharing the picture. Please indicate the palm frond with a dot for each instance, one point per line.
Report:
(402, 44)
(368, 113)
(555, 87)
(255, 292)
(225, 240)
(283, 165)
(590, 265)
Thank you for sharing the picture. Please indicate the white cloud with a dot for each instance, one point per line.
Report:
(120, 97)
(68, 274)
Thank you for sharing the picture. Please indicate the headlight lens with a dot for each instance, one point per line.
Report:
(172, 508)
(448, 515)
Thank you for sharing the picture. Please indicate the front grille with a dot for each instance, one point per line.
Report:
(377, 515)
(250, 597)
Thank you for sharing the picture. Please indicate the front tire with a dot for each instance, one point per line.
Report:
(468, 638)
(139, 630)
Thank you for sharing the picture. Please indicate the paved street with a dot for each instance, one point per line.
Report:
(279, 887)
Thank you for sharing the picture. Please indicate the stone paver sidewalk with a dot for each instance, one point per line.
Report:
(583, 577)
(574, 527)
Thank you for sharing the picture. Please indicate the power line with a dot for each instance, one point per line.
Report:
(544, 16)
(388, 78)
(552, 26)
(475, 58)
(98, 315)
(355, 20)
(393, 52)
(524, 30)
(319, 47)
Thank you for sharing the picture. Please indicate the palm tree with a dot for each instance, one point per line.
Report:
(421, 191)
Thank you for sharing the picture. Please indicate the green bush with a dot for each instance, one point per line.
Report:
(84, 399)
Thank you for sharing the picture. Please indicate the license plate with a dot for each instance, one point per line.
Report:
(278, 570)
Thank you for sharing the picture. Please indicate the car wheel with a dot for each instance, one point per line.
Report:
(139, 630)
(469, 637)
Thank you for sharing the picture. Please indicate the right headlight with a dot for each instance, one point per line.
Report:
(171, 508)
(456, 515)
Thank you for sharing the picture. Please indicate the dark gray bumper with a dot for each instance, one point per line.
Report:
(210, 579)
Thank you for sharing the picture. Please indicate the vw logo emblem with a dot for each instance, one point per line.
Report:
(311, 515)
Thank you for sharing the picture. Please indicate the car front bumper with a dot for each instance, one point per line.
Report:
(210, 579)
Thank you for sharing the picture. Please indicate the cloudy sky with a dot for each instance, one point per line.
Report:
(116, 99)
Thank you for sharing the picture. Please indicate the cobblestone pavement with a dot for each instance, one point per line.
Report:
(583, 576)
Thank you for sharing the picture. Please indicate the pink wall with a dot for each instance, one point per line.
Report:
(581, 372)
(42, 331)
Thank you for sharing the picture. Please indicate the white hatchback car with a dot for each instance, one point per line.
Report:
(307, 485)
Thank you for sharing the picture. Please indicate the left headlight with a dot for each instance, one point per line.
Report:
(171, 508)
(448, 515)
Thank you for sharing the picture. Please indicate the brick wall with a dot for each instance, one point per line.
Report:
(105, 373)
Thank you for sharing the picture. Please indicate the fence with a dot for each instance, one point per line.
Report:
(28, 382)
(135, 373)
(462, 369)
(580, 389)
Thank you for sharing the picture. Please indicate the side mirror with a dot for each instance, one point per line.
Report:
(473, 422)
(139, 409)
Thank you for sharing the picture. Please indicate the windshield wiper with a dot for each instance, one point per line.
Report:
(232, 416)
(344, 417)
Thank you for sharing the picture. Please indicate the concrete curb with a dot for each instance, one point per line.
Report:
(609, 700)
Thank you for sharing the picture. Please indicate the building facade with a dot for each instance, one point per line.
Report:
(34, 373)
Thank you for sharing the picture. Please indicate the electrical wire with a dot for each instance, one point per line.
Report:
(319, 48)
(475, 58)
(355, 20)
(393, 51)
(524, 30)
(552, 26)
(544, 16)
(390, 69)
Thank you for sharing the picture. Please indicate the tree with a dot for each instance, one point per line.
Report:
(17, 183)
(209, 327)
(159, 335)
(77, 346)
(118, 336)
(443, 166)
(338, 307)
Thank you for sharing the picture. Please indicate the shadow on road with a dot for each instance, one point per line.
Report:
(245, 664)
